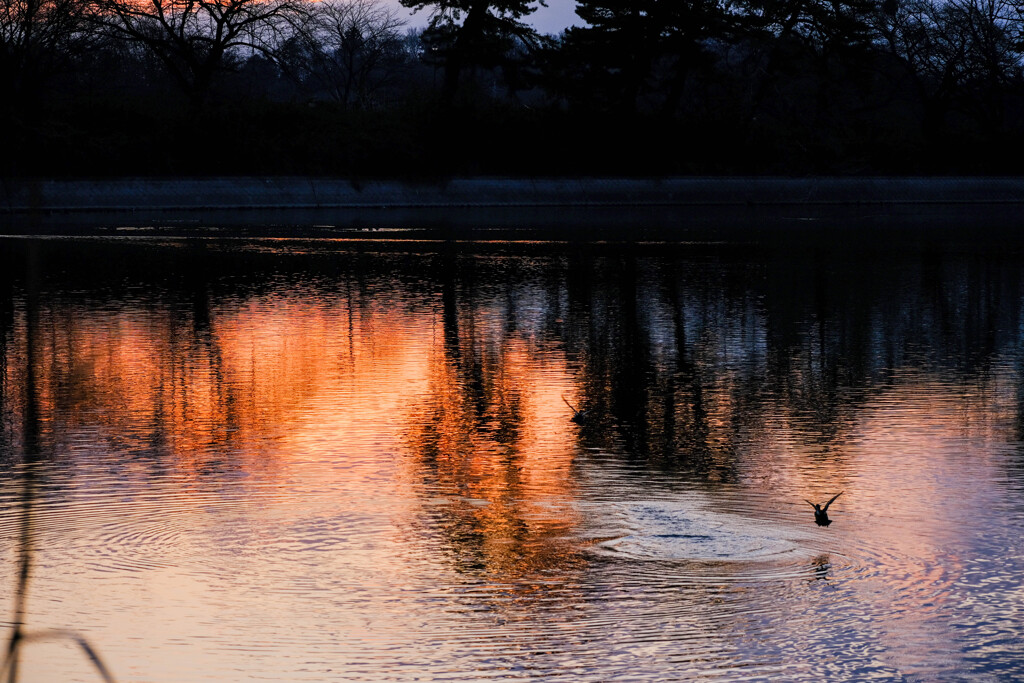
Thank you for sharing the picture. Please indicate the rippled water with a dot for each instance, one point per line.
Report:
(287, 460)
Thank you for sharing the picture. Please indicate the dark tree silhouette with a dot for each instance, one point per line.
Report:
(38, 39)
(805, 35)
(645, 87)
(196, 41)
(959, 55)
(348, 49)
(616, 50)
(646, 48)
(463, 34)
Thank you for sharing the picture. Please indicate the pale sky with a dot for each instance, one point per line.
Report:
(555, 18)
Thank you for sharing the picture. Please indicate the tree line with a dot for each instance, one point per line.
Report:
(643, 87)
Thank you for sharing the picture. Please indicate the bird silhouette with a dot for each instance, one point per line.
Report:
(578, 416)
(821, 511)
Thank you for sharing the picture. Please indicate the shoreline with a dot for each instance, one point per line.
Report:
(680, 206)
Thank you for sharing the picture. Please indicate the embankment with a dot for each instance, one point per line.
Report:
(676, 208)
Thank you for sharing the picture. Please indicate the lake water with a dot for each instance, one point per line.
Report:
(286, 460)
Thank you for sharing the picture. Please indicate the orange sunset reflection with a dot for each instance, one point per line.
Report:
(342, 393)
(492, 437)
(360, 461)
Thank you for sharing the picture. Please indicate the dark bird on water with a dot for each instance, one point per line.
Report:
(821, 511)
(578, 416)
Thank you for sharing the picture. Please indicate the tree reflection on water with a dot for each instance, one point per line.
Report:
(419, 395)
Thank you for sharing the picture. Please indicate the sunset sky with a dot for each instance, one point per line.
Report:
(553, 19)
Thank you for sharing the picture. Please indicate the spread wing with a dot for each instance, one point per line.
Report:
(569, 404)
(831, 499)
(811, 504)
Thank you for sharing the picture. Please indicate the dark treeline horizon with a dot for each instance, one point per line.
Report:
(646, 87)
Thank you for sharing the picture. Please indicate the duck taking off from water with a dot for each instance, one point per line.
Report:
(821, 511)
(578, 416)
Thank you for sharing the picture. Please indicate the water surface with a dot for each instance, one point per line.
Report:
(334, 460)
